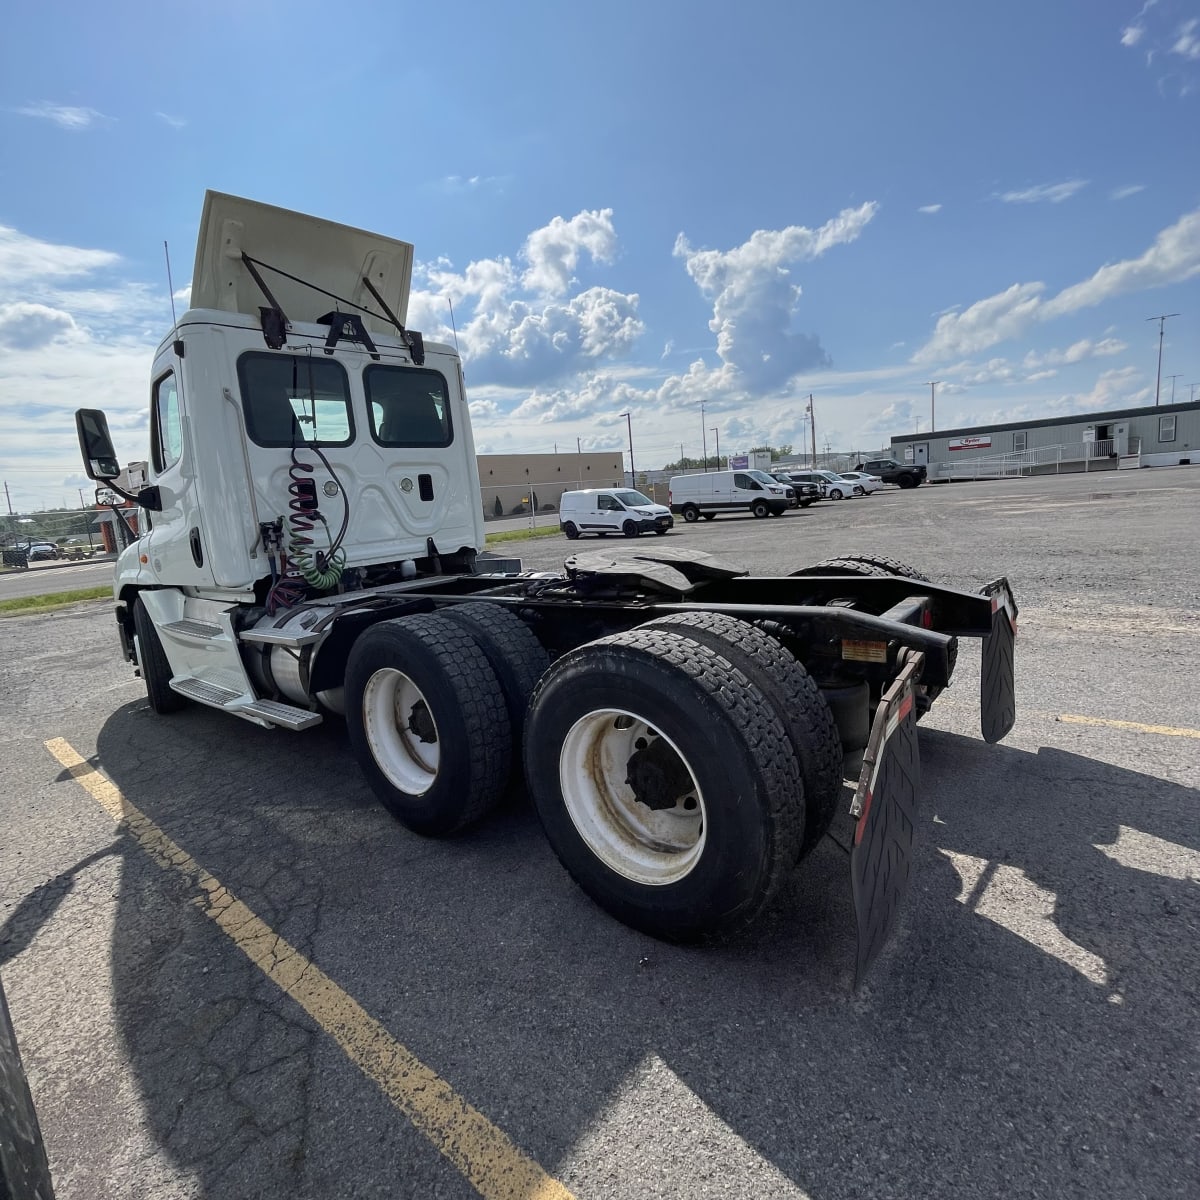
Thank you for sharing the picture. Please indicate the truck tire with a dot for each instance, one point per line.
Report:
(691, 513)
(665, 783)
(710, 516)
(863, 564)
(906, 481)
(414, 685)
(571, 530)
(24, 1171)
(795, 696)
(518, 659)
(630, 529)
(152, 661)
(759, 508)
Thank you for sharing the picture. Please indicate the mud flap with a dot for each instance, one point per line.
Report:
(997, 681)
(885, 806)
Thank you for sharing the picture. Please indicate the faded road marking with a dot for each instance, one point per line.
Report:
(490, 1162)
(1132, 726)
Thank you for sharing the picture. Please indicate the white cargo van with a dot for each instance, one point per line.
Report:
(705, 495)
(611, 510)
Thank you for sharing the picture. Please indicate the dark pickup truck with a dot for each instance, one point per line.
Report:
(890, 471)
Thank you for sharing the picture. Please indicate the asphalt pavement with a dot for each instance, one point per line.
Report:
(1030, 1032)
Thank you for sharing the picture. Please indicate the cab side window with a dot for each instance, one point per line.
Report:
(608, 504)
(166, 434)
(746, 483)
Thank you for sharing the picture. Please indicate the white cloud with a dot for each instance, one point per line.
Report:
(1123, 193)
(930, 208)
(1132, 35)
(25, 259)
(1055, 193)
(1037, 376)
(1187, 44)
(553, 251)
(1174, 257)
(174, 122)
(754, 297)
(25, 326)
(65, 116)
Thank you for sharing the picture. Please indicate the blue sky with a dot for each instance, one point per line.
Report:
(633, 207)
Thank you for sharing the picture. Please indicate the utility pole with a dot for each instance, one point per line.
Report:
(1162, 319)
(717, 435)
(812, 421)
(682, 460)
(932, 399)
(579, 459)
(629, 424)
(1194, 386)
(704, 432)
(8, 498)
(1172, 378)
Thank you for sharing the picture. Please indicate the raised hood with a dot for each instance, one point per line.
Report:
(333, 257)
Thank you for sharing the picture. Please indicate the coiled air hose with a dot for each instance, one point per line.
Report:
(321, 569)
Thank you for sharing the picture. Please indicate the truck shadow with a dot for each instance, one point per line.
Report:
(1031, 1030)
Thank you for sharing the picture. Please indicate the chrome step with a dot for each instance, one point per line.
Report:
(204, 692)
(286, 715)
(187, 627)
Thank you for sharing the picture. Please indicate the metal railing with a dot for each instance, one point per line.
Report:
(1071, 456)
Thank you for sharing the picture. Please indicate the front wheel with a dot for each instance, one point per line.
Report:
(710, 516)
(905, 481)
(665, 783)
(759, 508)
(836, 494)
(427, 721)
(691, 513)
(571, 530)
(152, 662)
(630, 529)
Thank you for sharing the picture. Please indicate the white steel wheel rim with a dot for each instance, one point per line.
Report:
(653, 847)
(391, 704)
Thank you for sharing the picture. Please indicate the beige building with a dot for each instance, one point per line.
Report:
(512, 484)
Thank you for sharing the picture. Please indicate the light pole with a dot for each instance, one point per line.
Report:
(1162, 319)
(932, 401)
(629, 424)
(704, 434)
(717, 435)
(1194, 386)
(1172, 378)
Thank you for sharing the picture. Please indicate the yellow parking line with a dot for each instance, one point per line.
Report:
(489, 1160)
(1134, 726)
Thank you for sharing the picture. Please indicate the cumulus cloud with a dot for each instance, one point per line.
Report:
(930, 208)
(25, 326)
(553, 251)
(755, 299)
(65, 116)
(1173, 258)
(1055, 193)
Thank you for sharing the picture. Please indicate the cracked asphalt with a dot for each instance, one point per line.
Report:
(1031, 1030)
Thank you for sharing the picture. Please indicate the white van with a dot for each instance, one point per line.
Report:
(706, 494)
(611, 510)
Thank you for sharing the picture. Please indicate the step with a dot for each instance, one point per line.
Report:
(286, 715)
(282, 637)
(205, 692)
(190, 628)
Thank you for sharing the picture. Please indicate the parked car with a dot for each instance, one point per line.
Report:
(41, 551)
(804, 491)
(864, 484)
(611, 510)
(890, 471)
(813, 479)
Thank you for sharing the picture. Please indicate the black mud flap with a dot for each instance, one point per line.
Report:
(997, 681)
(885, 805)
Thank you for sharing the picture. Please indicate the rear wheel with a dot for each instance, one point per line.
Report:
(152, 662)
(428, 723)
(571, 530)
(795, 697)
(691, 513)
(863, 564)
(630, 529)
(710, 516)
(518, 659)
(759, 508)
(665, 784)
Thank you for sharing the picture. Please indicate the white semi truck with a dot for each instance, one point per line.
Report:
(311, 545)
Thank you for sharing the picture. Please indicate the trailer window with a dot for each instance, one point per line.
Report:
(1166, 428)
(166, 433)
(409, 406)
(1020, 440)
(293, 399)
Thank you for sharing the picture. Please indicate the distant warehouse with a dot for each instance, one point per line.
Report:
(1161, 436)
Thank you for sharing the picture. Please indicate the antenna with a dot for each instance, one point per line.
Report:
(452, 324)
(170, 287)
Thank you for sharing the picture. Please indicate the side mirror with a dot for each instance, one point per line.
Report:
(95, 444)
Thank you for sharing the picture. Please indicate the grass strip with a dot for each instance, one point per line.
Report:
(21, 605)
(524, 535)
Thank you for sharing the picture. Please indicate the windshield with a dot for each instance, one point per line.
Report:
(762, 477)
(632, 499)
